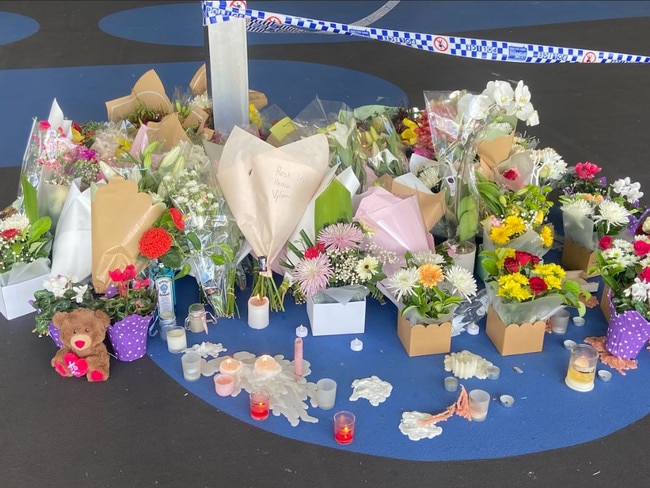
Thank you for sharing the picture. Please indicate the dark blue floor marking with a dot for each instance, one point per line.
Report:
(180, 24)
(546, 413)
(14, 27)
(94, 85)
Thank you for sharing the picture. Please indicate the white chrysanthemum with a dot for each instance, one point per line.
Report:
(402, 284)
(16, 221)
(578, 208)
(367, 268)
(553, 167)
(424, 257)
(612, 213)
(429, 176)
(462, 281)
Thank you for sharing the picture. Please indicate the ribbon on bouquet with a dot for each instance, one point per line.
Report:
(259, 21)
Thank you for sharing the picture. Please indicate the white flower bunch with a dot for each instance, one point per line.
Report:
(511, 101)
(628, 190)
(59, 284)
(551, 165)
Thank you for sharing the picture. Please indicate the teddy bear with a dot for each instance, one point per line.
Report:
(83, 352)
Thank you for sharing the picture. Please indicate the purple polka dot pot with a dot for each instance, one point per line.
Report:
(129, 337)
(54, 333)
(627, 333)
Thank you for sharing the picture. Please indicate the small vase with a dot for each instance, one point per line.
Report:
(128, 337)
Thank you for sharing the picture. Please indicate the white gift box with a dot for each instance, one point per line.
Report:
(337, 311)
(14, 299)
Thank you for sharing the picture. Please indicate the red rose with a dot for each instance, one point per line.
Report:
(511, 265)
(644, 275)
(177, 218)
(9, 234)
(154, 243)
(641, 248)
(605, 243)
(537, 285)
(524, 258)
(511, 174)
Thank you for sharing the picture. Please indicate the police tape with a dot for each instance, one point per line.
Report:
(258, 21)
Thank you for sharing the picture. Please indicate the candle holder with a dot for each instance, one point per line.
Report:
(260, 404)
(176, 339)
(197, 318)
(224, 384)
(582, 368)
(344, 427)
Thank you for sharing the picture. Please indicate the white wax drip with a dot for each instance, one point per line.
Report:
(412, 425)
(373, 389)
(465, 365)
(206, 349)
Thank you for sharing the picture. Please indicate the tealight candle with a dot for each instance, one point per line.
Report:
(258, 312)
(259, 404)
(229, 366)
(344, 427)
(266, 365)
(224, 384)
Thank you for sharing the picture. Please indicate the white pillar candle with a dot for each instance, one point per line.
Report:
(266, 366)
(229, 366)
(258, 312)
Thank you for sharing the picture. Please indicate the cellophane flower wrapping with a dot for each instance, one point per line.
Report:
(580, 229)
(195, 192)
(20, 272)
(524, 312)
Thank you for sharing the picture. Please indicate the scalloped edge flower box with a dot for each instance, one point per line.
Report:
(576, 257)
(15, 298)
(423, 339)
(514, 338)
(336, 318)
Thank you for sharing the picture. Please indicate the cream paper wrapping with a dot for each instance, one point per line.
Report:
(267, 188)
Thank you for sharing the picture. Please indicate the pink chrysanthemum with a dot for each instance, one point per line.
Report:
(313, 274)
(341, 236)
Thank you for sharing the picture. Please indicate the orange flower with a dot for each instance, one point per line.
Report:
(430, 275)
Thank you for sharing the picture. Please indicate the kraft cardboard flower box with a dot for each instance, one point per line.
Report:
(514, 338)
(576, 257)
(15, 298)
(423, 339)
(329, 316)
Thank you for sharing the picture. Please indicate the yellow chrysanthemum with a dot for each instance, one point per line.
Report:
(507, 253)
(551, 273)
(547, 236)
(514, 286)
(515, 223)
(430, 275)
(500, 235)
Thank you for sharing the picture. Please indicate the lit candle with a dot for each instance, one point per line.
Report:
(344, 427)
(224, 384)
(229, 366)
(258, 312)
(297, 356)
(259, 404)
(266, 366)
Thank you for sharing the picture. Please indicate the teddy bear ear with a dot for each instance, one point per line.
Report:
(59, 319)
(103, 318)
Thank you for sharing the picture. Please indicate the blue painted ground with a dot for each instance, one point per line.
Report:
(546, 414)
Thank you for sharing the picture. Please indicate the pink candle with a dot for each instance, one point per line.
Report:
(224, 384)
(297, 356)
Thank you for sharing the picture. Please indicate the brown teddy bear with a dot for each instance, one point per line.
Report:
(83, 353)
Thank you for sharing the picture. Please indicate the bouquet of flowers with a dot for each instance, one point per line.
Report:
(592, 209)
(522, 288)
(542, 167)
(415, 132)
(341, 256)
(516, 219)
(459, 121)
(430, 288)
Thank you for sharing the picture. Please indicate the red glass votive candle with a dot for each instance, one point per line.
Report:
(344, 427)
(260, 403)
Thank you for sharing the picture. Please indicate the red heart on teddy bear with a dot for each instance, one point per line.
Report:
(77, 366)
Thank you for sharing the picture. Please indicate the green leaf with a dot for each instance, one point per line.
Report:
(30, 200)
(196, 243)
(39, 227)
(172, 259)
(227, 251)
(333, 205)
(218, 259)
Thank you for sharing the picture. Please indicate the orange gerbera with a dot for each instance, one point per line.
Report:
(430, 275)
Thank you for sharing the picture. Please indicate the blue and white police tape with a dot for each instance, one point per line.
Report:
(259, 21)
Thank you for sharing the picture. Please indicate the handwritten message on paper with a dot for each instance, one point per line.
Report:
(283, 182)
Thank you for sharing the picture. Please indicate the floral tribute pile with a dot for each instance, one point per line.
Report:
(371, 198)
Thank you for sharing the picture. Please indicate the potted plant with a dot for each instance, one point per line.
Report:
(427, 291)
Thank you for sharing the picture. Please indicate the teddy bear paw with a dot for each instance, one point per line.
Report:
(61, 369)
(96, 375)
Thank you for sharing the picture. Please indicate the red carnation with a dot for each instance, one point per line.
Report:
(644, 275)
(537, 285)
(9, 234)
(177, 218)
(511, 265)
(641, 248)
(315, 251)
(155, 242)
(605, 243)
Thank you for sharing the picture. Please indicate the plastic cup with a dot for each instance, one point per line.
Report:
(191, 362)
(326, 393)
(479, 403)
(560, 322)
